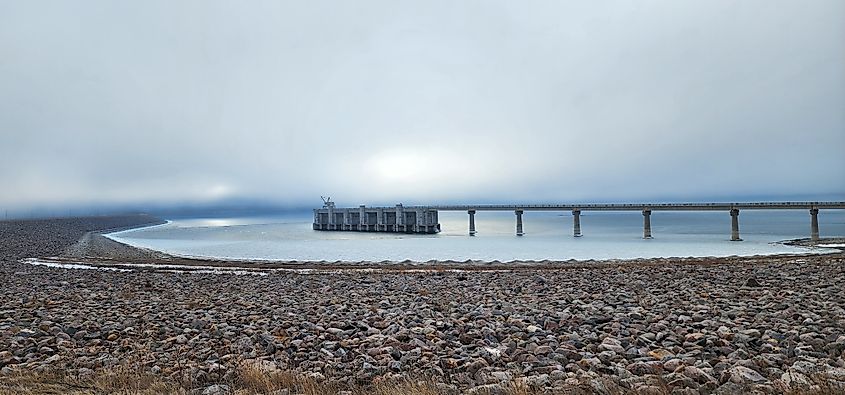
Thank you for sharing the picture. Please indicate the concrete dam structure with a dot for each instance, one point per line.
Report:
(423, 219)
(376, 219)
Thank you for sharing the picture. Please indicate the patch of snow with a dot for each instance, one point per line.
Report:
(37, 262)
(185, 269)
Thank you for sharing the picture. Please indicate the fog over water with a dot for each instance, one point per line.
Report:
(159, 103)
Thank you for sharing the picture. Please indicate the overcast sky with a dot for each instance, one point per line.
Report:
(419, 101)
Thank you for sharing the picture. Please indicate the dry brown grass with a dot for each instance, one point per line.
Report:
(819, 385)
(252, 379)
(248, 381)
(116, 381)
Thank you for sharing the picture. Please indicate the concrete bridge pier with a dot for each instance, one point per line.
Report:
(735, 225)
(814, 224)
(471, 222)
(518, 222)
(576, 223)
(362, 218)
(646, 224)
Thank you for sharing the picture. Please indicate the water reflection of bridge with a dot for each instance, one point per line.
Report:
(423, 219)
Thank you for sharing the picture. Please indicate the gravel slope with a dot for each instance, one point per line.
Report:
(716, 326)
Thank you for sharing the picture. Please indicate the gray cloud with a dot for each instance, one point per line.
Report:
(380, 101)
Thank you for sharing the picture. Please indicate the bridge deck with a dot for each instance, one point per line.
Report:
(423, 219)
(634, 206)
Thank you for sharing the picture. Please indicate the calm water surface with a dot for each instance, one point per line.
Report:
(610, 235)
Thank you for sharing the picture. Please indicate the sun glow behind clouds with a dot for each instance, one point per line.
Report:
(404, 167)
(218, 191)
(425, 172)
(397, 166)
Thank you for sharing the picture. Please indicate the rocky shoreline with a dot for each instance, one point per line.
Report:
(685, 326)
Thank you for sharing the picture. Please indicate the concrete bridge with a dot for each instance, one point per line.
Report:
(423, 219)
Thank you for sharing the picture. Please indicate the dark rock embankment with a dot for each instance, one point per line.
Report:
(50, 237)
(723, 325)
